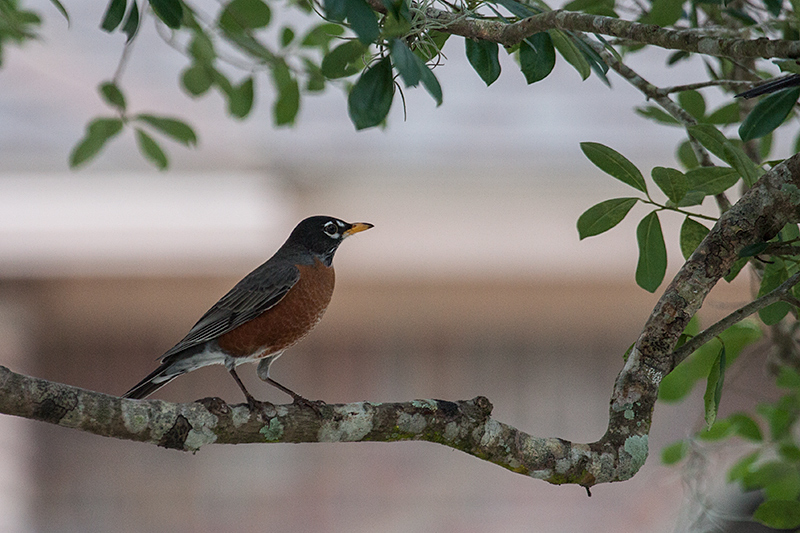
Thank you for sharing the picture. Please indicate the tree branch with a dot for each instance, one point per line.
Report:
(465, 425)
(689, 40)
(778, 294)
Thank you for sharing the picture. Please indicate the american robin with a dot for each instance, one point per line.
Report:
(271, 309)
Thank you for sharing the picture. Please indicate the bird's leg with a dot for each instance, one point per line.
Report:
(263, 373)
(251, 401)
(314, 405)
(298, 400)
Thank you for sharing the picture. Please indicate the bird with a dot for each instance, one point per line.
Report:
(269, 310)
(771, 86)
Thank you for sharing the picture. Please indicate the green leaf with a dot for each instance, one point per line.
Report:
(482, 55)
(746, 427)
(722, 429)
(151, 150)
(692, 234)
(321, 35)
(774, 7)
(338, 63)
(58, 5)
(784, 486)
(691, 198)
(712, 180)
(248, 44)
(537, 57)
(604, 216)
(657, 114)
(788, 378)
(775, 273)
(174, 128)
(763, 474)
(202, 48)
(362, 20)
(744, 166)
(713, 393)
(675, 452)
(431, 84)
(664, 12)
(407, 64)
(768, 114)
(371, 97)
(789, 452)
(113, 15)
(197, 80)
(727, 114)
(686, 156)
(678, 383)
(765, 147)
(615, 164)
(287, 36)
(413, 70)
(737, 267)
(438, 40)
(753, 249)
(710, 137)
(780, 416)
(519, 9)
(397, 9)
(131, 25)
(315, 81)
(672, 182)
(169, 11)
(742, 467)
(779, 514)
(693, 102)
(112, 95)
(223, 83)
(569, 51)
(287, 104)
(98, 133)
(592, 7)
(243, 15)
(335, 9)
(240, 99)
(652, 253)
(719, 145)
(678, 56)
(596, 63)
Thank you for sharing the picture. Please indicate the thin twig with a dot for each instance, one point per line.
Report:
(701, 85)
(740, 314)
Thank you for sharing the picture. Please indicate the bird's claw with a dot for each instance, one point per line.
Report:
(257, 406)
(314, 405)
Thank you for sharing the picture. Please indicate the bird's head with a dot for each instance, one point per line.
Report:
(322, 235)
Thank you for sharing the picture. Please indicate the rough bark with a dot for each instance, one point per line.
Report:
(700, 41)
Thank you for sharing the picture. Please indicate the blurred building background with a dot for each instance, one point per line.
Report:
(473, 282)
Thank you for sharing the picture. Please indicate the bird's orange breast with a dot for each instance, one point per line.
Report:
(289, 320)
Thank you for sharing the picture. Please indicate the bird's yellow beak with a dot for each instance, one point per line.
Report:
(357, 227)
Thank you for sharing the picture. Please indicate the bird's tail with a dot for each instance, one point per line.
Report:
(154, 381)
(771, 86)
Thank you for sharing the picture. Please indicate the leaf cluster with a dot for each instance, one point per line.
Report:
(101, 130)
(774, 467)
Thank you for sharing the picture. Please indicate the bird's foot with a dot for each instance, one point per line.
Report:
(263, 408)
(214, 405)
(314, 405)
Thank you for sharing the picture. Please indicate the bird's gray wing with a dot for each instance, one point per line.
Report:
(257, 292)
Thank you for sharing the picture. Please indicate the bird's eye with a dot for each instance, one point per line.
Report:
(331, 229)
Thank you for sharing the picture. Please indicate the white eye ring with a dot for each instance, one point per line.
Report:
(330, 229)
